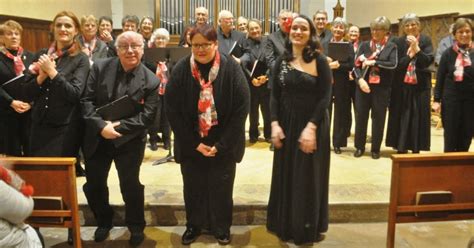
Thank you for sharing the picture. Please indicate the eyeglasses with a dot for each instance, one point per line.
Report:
(203, 46)
(134, 47)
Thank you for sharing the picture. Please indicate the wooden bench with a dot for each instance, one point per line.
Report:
(412, 173)
(54, 177)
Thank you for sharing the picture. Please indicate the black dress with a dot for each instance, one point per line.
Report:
(298, 205)
(409, 119)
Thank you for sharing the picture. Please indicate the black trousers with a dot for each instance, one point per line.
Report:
(208, 189)
(128, 159)
(375, 102)
(160, 124)
(259, 97)
(458, 123)
(342, 113)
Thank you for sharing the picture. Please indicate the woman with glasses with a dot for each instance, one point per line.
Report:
(454, 90)
(300, 96)
(409, 120)
(374, 68)
(14, 107)
(207, 102)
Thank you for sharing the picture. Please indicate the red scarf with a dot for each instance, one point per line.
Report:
(462, 60)
(161, 70)
(207, 113)
(15, 181)
(17, 61)
(376, 48)
(54, 54)
(410, 75)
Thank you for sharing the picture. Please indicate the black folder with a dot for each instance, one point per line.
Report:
(121, 108)
(259, 68)
(177, 53)
(14, 87)
(155, 55)
(339, 51)
(236, 50)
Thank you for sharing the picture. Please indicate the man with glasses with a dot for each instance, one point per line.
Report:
(201, 16)
(320, 20)
(119, 139)
(228, 37)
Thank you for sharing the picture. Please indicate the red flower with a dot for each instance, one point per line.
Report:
(287, 24)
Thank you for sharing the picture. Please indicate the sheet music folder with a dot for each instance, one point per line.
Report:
(259, 68)
(13, 86)
(121, 108)
(339, 51)
(166, 54)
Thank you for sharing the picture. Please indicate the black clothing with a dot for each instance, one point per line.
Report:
(274, 47)
(259, 95)
(298, 204)
(227, 42)
(342, 102)
(324, 38)
(378, 99)
(409, 118)
(56, 119)
(208, 181)
(231, 96)
(457, 102)
(14, 127)
(107, 80)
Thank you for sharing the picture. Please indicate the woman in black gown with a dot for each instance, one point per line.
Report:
(301, 91)
(409, 117)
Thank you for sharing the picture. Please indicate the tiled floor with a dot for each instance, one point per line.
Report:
(351, 180)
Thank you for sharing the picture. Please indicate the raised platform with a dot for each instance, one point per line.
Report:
(359, 187)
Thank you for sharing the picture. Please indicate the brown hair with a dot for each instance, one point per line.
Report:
(208, 31)
(460, 23)
(69, 14)
(12, 25)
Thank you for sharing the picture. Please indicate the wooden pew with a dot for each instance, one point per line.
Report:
(51, 177)
(412, 173)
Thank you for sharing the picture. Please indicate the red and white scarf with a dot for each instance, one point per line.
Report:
(207, 113)
(410, 75)
(161, 70)
(18, 65)
(376, 48)
(462, 60)
(54, 54)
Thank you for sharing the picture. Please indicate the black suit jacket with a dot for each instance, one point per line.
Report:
(274, 47)
(7, 72)
(98, 92)
(57, 99)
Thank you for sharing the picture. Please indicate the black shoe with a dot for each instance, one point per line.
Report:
(190, 235)
(223, 239)
(358, 153)
(337, 150)
(375, 155)
(80, 172)
(136, 238)
(402, 152)
(153, 146)
(166, 145)
(253, 140)
(101, 233)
